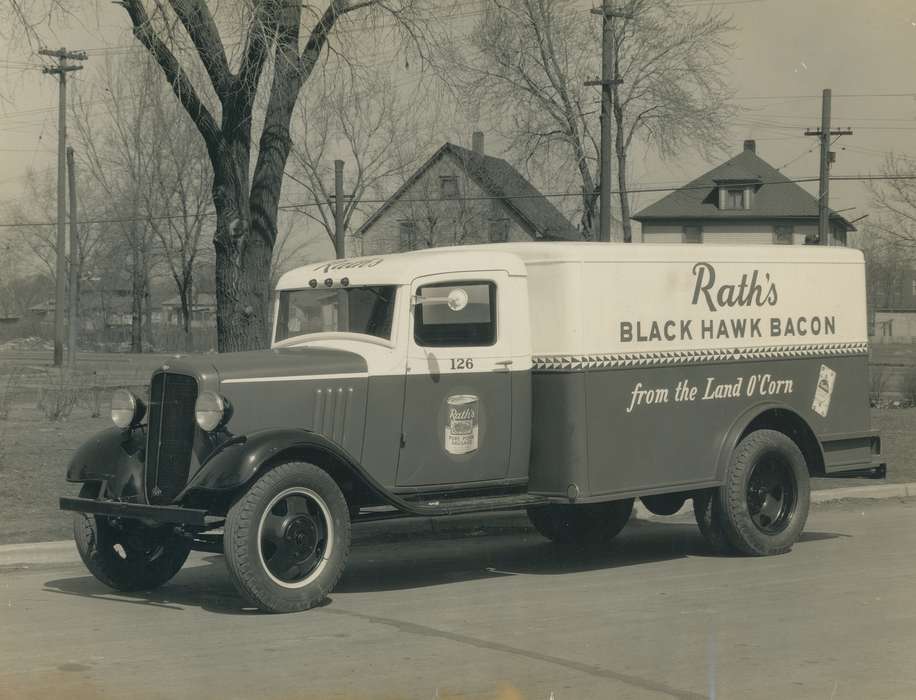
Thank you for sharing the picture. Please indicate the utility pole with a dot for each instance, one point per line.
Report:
(827, 157)
(61, 70)
(73, 321)
(608, 82)
(339, 240)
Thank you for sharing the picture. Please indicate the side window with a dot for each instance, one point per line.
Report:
(455, 314)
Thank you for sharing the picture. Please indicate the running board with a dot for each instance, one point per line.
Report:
(474, 504)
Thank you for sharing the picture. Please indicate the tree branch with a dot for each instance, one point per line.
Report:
(198, 23)
(174, 73)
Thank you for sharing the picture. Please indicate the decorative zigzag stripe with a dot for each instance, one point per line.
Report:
(566, 363)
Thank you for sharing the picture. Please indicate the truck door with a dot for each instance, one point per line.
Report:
(458, 392)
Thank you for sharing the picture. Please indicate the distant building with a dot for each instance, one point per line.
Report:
(203, 311)
(459, 197)
(744, 200)
(894, 318)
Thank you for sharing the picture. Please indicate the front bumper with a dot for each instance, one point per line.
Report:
(137, 511)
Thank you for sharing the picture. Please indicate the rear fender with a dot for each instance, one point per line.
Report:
(114, 456)
(763, 415)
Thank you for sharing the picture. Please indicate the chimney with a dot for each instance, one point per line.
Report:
(750, 145)
(477, 142)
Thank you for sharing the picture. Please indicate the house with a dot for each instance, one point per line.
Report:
(462, 196)
(744, 200)
(203, 311)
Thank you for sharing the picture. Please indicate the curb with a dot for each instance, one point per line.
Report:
(64, 552)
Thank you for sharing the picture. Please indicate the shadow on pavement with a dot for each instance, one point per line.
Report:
(413, 562)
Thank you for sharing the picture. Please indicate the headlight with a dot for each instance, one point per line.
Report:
(212, 411)
(126, 409)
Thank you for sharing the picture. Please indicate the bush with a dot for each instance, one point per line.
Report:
(63, 389)
(878, 378)
(909, 387)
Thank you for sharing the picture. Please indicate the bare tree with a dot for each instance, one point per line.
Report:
(533, 56)
(246, 200)
(358, 116)
(894, 200)
(39, 243)
(177, 206)
(121, 158)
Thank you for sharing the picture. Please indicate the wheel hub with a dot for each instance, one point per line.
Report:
(770, 495)
(302, 534)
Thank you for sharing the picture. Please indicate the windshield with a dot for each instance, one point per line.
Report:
(366, 310)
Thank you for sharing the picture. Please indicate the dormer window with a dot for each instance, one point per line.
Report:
(735, 197)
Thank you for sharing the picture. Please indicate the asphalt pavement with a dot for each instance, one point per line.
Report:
(491, 610)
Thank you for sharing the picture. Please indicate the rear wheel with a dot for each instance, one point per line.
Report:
(709, 520)
(287, 538)
(131, 557)
(765, 499)
(587, 524)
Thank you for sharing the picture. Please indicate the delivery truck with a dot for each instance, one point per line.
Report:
(564, 379)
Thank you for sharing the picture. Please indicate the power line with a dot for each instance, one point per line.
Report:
(641, 190)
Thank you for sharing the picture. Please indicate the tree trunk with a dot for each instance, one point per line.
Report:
(242, 256)
(185, 298)
(136, 310)
(621, 149)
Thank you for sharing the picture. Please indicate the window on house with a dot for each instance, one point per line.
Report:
(408, 235)
(692, 234)
(448, 186)
(734, 199)
(499, 231)
(783, 234)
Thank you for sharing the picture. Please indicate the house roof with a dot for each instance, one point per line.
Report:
(499, 179)
(775, 197)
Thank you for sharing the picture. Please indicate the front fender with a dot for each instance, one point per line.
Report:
(239, 460)
(114, 456)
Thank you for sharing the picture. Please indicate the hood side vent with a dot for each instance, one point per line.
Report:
(332, 406)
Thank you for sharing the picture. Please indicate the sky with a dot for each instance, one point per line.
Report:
(785, 53)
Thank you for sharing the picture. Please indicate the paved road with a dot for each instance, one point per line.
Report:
(499, 613)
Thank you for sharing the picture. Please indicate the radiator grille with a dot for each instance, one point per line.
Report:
(171, 435)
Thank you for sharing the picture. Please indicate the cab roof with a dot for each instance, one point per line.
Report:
(514, 258)
(403, 268)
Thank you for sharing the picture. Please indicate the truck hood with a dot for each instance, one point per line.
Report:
(288, 362)
(236, 367)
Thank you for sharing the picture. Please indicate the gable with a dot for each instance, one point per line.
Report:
(497, 179)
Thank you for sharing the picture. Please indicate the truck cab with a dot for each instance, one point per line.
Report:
(565, 379)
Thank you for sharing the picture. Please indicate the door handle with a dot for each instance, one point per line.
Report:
(503, 363)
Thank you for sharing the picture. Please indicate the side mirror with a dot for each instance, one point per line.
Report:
(456, 300)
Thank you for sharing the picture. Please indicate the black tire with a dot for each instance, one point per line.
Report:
(128, 558)
(586, 524)
(766, 495)
(709, 520)
(287, 538)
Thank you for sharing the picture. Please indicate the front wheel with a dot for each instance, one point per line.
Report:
(585, 524)
(128, 557)
(287, 538)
